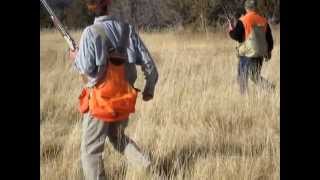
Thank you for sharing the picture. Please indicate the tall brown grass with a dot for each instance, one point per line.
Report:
(197, 126)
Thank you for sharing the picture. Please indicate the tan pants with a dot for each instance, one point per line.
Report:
(94, 133)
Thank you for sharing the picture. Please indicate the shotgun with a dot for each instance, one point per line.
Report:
(71, 43)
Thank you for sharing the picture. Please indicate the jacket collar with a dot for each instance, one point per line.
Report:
(101, 19)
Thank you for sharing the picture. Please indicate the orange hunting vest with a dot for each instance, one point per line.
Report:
(111, 100)
(250, 20)
(255, 43)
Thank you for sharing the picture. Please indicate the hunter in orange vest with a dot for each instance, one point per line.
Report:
(112, 98)
(255, 43)
(108, 54)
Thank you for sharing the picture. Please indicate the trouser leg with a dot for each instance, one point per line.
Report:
(255, 74)
(126, 146)
(243, 75)
(92, 146)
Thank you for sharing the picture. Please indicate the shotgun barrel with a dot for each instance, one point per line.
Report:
(71, 43)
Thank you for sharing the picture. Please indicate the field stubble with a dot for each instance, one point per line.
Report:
(197, 126)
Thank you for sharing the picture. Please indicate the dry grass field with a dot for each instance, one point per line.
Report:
(197, 126)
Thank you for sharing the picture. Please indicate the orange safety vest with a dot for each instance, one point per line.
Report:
(250, 20)
(113, 99)
(253, 46)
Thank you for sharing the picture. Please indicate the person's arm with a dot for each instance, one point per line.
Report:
(269, 38)
(237, 33)
(91, 58)
(138, 50)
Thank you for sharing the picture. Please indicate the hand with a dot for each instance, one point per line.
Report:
(73, 54)
(232, 24)
(146, 96)
(230, 27)
(268, 57)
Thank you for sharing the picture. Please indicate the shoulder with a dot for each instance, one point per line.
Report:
(91, 30)
(94, 32)
(243, 17)
(87, 33)
(118, 22)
